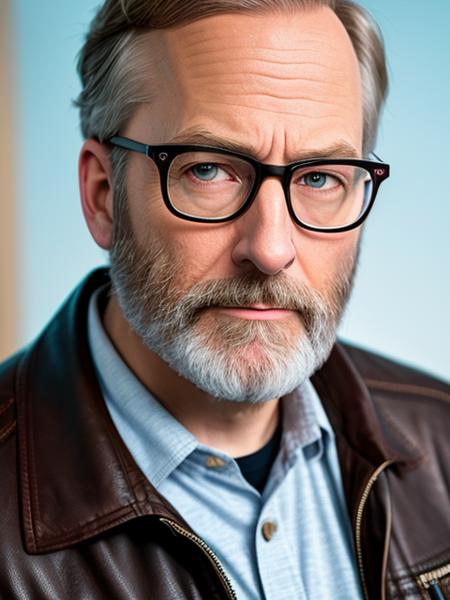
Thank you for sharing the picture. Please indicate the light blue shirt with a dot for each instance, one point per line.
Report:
(309, 554)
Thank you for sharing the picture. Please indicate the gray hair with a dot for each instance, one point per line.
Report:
(113, 57)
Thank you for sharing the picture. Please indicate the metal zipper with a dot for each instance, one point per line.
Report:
(426, 580)
(358, 522)
(206, 550)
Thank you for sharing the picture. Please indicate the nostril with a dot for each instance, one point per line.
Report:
(290, 263)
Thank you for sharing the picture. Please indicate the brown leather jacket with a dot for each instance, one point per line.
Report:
(79, 521)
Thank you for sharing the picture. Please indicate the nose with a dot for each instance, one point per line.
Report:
(265, 232)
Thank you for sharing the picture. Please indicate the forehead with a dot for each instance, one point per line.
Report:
(269, 80)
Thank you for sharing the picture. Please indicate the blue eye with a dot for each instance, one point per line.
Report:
(205, 171)
(316, 180)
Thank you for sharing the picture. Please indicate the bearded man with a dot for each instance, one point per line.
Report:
(187, 426)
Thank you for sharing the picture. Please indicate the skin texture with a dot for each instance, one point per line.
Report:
(288, 89)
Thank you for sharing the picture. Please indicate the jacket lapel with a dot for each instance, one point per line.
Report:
(77, 477)
(366, 446)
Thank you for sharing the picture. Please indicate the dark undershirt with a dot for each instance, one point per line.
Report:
(256, 467)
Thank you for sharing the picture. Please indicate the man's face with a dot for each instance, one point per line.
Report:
(284, 87)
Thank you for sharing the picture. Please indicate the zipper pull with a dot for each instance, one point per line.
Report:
(435, 591)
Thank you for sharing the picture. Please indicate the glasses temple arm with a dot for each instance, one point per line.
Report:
(127, 144)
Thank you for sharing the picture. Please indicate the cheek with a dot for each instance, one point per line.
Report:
(205, 250)
(324, 257)
(198, 251)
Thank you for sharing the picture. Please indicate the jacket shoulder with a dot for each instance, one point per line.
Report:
(8, 370)
(394, 383)
(378, 371)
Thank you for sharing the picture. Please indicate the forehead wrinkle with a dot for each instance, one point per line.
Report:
(243, 76)
(304, 45)
(203, 46)
(313, 45)
(252, 64)
(273, 96)
(290, 89)
(213, 73)
(246, 73)
(276, 110)
(242, 90)
(201, 56)
(199, 36)
(214, 58)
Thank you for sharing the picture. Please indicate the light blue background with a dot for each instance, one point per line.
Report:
(401, 301)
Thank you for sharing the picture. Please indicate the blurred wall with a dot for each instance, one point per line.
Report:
(8, 200)
(401, 301)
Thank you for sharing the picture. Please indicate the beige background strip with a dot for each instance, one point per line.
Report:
(8, 195)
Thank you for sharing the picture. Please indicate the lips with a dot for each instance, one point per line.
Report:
(255, 312)
(261, 307)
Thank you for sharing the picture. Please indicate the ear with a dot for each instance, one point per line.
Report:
(95, 178)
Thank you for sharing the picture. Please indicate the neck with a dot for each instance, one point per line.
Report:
(237, 428)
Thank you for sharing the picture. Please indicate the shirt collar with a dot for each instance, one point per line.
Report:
(157, 441)
(305, 423)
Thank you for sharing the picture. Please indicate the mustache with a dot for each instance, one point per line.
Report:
(278, 291)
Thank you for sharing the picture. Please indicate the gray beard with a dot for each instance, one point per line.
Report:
(231, 359)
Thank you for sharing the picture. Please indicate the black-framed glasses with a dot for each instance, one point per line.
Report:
(213, 185)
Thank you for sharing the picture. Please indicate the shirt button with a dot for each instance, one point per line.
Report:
(268, 530)
(215, 462)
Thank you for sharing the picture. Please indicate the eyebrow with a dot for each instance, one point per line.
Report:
(339, 149)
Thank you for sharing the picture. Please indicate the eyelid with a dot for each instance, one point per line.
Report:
(228, 172)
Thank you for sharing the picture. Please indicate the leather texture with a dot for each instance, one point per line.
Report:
(79, 520)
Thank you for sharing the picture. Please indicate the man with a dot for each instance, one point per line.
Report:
(186, 426)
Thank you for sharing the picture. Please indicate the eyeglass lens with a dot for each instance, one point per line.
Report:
(212, 186)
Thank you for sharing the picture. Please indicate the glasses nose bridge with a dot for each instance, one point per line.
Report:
(280, 172)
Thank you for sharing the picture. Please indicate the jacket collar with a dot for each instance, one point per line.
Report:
(78, 478)
(365, 436)
(354, 416)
